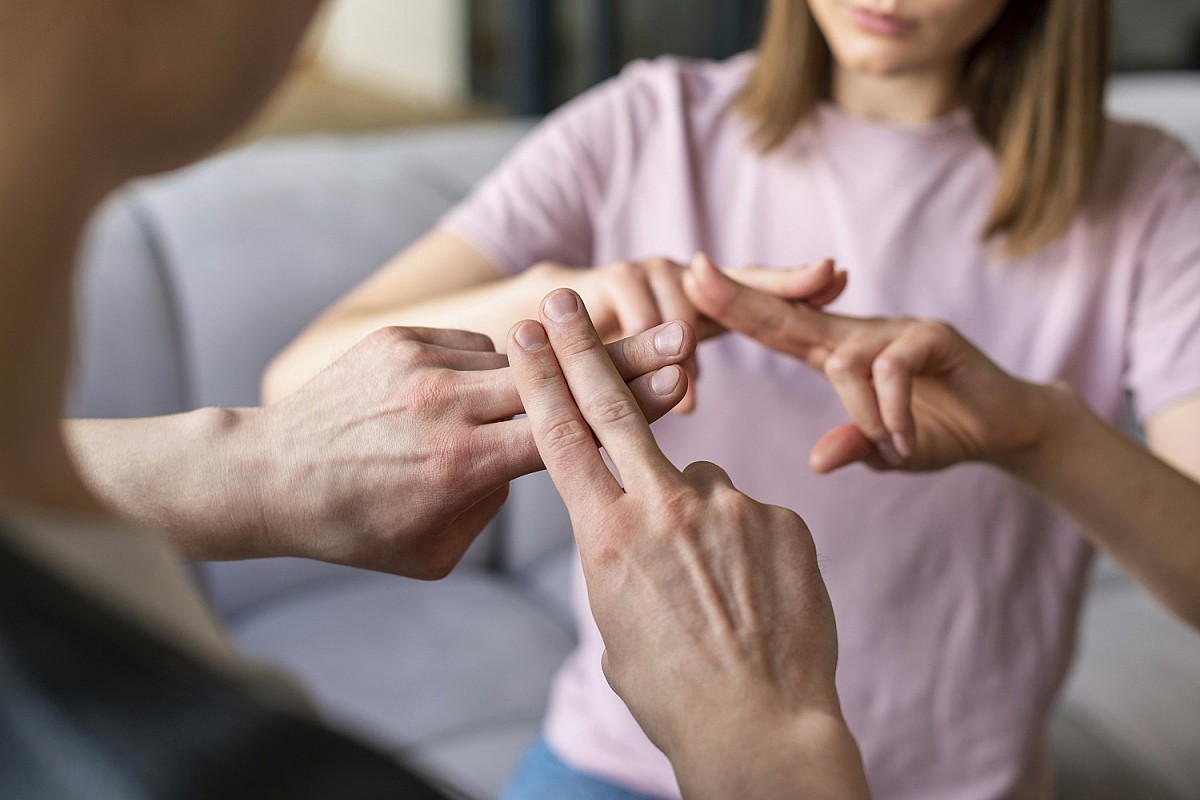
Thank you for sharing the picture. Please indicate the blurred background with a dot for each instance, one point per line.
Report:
(375, 64)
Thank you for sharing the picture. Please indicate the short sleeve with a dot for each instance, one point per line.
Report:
(1164, 339)
(540, 204)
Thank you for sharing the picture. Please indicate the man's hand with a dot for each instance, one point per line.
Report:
(718, 631)
(394, 458)
(918, 394)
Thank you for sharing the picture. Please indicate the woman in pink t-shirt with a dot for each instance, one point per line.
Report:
(953, 157)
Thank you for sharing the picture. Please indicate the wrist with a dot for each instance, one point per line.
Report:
(1060, 412)
(811, 755)
(230, 482)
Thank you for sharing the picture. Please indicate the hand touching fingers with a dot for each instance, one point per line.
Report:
(511, 444)
(666, 283)
(788, 327)
(601, 396)
(562, 437)
(497, 398)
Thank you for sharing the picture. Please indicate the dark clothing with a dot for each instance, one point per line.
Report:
(91, 706)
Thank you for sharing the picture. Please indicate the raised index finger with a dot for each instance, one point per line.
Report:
(788, 327)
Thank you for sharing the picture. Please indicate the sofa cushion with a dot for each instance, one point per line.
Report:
(459, 666)
(1135, 690)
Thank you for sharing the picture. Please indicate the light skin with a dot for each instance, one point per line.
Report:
(921, 397)
(393, 459)
(908, 76)
(443, 277)
(917, 395)
(740, 609)
(97, 88)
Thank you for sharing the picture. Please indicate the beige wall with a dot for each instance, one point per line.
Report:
(413, 48)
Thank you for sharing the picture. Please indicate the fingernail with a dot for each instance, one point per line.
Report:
(562, 305)
(888, 453)
(669, 341)
(531, 337)
(903, 444)
(666, 380)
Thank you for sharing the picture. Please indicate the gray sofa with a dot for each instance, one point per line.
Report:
(193, 280)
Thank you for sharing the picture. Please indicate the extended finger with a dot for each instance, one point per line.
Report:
(494, 395)
(447, 337)
(841, 279)
(893, 376)
(798, 283)
(462, 360)
(562, 438)
(666, 283)
(707, 475)
(603, 398)
(850, 370)
(787, 327)
(511, 452)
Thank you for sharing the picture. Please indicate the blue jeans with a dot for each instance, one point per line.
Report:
(541, 775)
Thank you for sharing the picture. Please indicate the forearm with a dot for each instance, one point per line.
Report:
(816, 758)
(1131, 504)
(490, 308)
(197, 477)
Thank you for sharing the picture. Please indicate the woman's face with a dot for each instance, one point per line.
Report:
(895, 37)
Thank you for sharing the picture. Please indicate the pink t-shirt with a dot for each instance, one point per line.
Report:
(956, 593)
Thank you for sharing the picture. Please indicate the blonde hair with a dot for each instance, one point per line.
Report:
(1034, 84)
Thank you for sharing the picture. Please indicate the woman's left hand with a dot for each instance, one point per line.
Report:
(920, 396)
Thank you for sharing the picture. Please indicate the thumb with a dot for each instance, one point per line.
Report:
(840, 447)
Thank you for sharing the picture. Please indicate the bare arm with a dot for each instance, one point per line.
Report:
(1141, 509)
(443, 281)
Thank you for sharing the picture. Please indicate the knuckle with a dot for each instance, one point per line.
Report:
(564, 435)
(888, 365)
(935, 329)
(611, 408)
(576, 341)
(392, 334)
(662, 266)
(680, 505)
(410, 353)
(622, 270)
(705, 471)
(438, 387)
(842, 364)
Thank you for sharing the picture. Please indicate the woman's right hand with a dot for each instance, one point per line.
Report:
(919, 395)
(626, 298)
